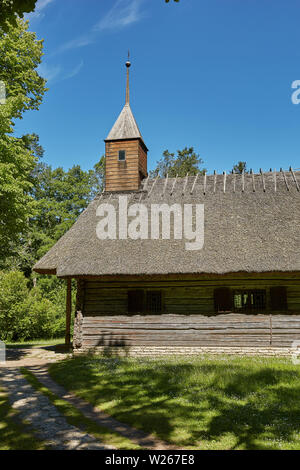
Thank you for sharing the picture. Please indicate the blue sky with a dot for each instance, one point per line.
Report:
(213, 74)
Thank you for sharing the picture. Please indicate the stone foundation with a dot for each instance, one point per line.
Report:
(157, 351)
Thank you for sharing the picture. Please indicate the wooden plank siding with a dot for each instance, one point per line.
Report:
(124, 175)
(188, 317)
(190, 330)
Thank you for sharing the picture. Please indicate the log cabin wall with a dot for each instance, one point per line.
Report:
(182, 296)
(188, 316)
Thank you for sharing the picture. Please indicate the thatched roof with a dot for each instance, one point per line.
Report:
(252, 224)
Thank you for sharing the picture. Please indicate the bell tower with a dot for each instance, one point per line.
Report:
(125, 151)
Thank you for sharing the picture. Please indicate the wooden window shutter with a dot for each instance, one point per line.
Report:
(223, 299)
(278, 298)
(135, 301)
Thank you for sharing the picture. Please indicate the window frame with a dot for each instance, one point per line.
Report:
(154, 292)
(122, 159)
(251, 306)
(143, 300)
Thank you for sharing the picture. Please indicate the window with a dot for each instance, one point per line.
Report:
(223, 299)
(122, 155)
(154, 301)
(249, 300)
(139, 302)
(278, 298)
(135, 301)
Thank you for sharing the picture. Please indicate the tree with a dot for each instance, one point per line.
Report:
(11, 9)
(20, 55)
(99, 176)
(13, 292)
(29, 314)
(58, 198)
(240, 167)
(185, 162)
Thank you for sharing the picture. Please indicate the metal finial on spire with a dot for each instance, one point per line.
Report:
(128, 64)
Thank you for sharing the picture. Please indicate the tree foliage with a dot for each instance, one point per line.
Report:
(11, 9)
(240, 167)
(20, 55)
(59, 196)
(28, 313)
(185, 162)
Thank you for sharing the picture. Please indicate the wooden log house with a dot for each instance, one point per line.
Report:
(242, 289)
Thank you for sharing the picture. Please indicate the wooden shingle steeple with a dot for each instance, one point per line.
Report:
(125, 151)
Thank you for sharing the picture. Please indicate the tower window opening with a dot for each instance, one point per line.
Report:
(122, 155)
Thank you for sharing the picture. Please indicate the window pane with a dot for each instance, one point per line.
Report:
(249, 300)
(121, 155)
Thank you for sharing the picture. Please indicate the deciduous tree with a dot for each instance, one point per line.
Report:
(11, 9)
(20, 55)
(187, 161)
(240, 167)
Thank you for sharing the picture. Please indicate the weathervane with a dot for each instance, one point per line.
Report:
(128, 64)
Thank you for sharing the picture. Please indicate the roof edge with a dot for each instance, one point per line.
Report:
(129, 138)
(44, 270)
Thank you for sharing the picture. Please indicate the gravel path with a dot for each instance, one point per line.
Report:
(36, 410)
(25, 356)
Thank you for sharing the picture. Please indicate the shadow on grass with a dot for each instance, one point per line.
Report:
(243, 405)
(18, 352)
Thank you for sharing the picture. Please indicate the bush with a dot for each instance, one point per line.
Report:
(30, 314)
(13, 293)
(40, 317)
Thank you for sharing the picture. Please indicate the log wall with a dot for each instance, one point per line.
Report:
(181, 296)
(191, 330)
(188, 317)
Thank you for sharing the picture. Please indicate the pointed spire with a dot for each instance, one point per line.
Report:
(128, 64)
(125, 126)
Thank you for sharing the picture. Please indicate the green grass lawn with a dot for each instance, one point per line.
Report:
(13, 434)
(35, 343)
(76, 418)
(197, 403)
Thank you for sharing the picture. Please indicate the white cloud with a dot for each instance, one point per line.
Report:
(123, 13)
(74, 72)
(74, 44)
(38, 11)
(56, 73)
(50, 72)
